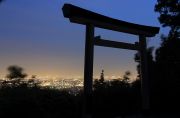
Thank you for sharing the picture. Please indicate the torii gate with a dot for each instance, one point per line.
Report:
(92, 20)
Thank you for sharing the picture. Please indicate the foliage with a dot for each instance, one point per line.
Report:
(164, 70)
(36, 101)
(150, 61)
(116, 97)
(102, 77)
(29, 100)
(169, 13)
(126, 77)
(15, 72)
(165, 83)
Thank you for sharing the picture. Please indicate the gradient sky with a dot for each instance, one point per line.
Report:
(35, 35)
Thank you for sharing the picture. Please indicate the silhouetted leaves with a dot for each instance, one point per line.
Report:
(116, 97)
(169, 12)
(15, 72)
(32, 101)
(164, 71)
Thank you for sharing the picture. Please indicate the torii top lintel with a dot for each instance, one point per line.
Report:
(83, 16)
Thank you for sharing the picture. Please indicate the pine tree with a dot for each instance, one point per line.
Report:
(102, 77)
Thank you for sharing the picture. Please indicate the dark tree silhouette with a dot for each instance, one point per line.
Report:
(167, 71)
(126, 77)
(167, 55)
(115, 97)
(15, 72)
(169, 13)
(150, 60)
(164, 71)
(102, 77)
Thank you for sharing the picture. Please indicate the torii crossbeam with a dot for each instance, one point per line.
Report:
(92, 20)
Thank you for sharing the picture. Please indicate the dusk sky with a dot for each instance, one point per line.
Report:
(35, 35)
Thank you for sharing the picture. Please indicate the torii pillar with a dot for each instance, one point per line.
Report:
(92, 20)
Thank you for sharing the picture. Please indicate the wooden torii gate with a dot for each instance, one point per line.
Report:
(92, 20)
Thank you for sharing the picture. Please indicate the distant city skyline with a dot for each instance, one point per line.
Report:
(36, 36)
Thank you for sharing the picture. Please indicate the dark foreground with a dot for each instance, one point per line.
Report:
(117, 99)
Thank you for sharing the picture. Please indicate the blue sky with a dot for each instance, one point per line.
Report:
(36, 36)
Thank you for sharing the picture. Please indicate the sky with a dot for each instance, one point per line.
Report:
(35, 35)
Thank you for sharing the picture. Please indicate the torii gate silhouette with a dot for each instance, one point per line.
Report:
(92, 20)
